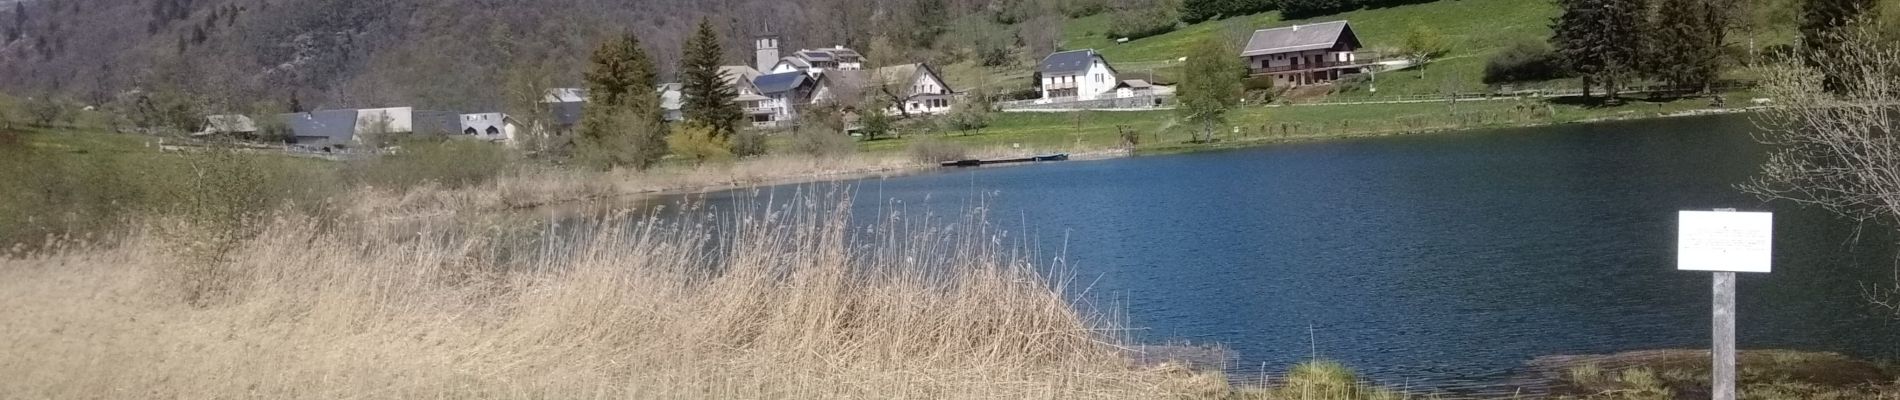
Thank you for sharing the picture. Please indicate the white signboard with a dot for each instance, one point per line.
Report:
(1725, 241)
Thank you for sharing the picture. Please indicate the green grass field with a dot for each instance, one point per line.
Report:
(1475, 29)
(1162, 131)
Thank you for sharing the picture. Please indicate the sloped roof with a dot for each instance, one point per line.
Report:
(845, 86)
(780, 83)
(228, 124)
(337, 126)
(815, 55)
(1070, 62)
(739, 75)
(559, 95)
(1300, 38)
(1135, 84)
(796, 62)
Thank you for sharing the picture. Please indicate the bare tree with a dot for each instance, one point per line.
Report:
(1837, 150)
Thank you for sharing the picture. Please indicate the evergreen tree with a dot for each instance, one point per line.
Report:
(1822, 26)
(707, 96)
(1682, 53)
(1210, 85)
(1600, 40)
(622, 124)
(19, 22)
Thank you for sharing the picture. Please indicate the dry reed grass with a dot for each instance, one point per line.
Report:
(784, 302)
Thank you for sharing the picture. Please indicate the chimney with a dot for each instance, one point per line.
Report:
(767, 47)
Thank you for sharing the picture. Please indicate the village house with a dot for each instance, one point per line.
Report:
(492, 127)
(230, 125)
(1304, 54)
(564, 106)
(1078, 75)
(914, 89)
(810, 61)
(325, 129)
(784, 93)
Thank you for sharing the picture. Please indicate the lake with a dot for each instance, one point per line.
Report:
(1437, 262)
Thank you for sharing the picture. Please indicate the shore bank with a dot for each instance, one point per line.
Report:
(540, 188)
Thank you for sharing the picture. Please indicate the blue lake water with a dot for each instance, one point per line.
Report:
(1442, 261)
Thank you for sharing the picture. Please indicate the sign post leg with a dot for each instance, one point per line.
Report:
(1722, 383)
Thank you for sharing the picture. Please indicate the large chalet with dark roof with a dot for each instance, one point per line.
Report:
(1304, 54)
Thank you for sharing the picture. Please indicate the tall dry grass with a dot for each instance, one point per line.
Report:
(775, 302)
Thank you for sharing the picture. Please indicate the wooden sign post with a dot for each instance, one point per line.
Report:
(1724, 242)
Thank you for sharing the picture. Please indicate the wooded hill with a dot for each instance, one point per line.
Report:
(260, 56)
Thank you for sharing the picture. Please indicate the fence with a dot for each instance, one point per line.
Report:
(1503, 95)
(1147, 102)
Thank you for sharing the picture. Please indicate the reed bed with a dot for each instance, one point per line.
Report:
(777, 302)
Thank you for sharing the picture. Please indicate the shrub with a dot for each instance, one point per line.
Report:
(1524, 61)
(748, 143)
(698, 142)
(1258, 83)
(1352, 83)
(1195, 11)
(821, 143)
(1082, 8)
(1136, 23)
(933, 150)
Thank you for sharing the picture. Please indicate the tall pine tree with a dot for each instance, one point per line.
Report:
(1683, 53)
(1823, 22)
(622, 124)
(1600, 40)
(19, 22)
(707, 96)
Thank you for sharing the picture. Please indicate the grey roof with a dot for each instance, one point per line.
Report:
(780, 83)
(1069, 62)
(1135, 84)
(796, 62)
(557, 95)
(322, 127)
(1300, 38)
(815, 55)
(435, 122)
(739, 75)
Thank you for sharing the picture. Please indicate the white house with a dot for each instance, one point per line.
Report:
(1078, 75)
(916, 89)
(784, 93)
(816, 61)
(493, 127)
(1304, 54)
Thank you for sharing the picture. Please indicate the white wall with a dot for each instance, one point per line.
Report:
(1098, 81)
(401, 119)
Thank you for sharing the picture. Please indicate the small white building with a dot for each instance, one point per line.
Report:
(493, 127)
(1078, 75)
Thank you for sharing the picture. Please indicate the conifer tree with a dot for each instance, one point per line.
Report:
(707, 96)
(1683, 54)
(1600, 40)
(622, 124)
